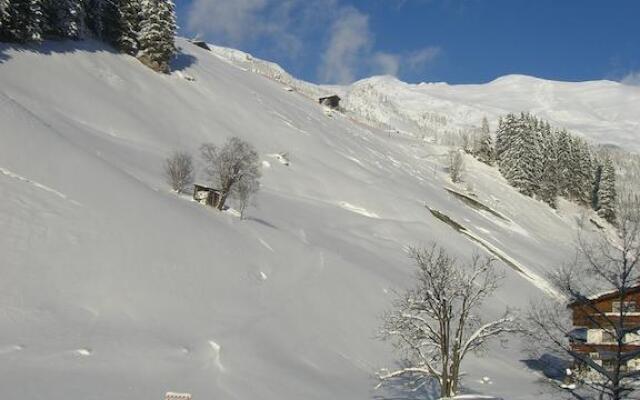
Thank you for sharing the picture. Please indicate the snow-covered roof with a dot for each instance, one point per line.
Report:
(606, 295)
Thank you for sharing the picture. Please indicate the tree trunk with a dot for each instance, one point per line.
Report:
(446, 389)
(455, 371)
(222, 200)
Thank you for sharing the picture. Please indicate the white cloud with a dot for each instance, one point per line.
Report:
(394, 64)
(290, 27)
(228, 20)
(284, 23)
(350, 41)
(350, 53)
(386, 63)
(633, 78)
(417, 60)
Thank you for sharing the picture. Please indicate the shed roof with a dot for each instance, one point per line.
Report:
(334, 96)
(204, 187)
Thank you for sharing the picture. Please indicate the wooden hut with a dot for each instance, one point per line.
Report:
(206, 196)
(201, 44)
(330, 101)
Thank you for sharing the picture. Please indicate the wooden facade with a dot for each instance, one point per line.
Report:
(206, 196)
(595, 320)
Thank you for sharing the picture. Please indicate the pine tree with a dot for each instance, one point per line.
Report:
(485, 146)
(563, 148)
(503, 137)
(607, 192)
(4, 5)
(536, 147)
(118, 23)
(23, 21)
(504, 142)
(106, 21)
(157, 33)
(597, 177)
(548, 188)
(586, 173)
(580, 169)
(521, 160)
(64, 18)
(129, 26)
(94, 12)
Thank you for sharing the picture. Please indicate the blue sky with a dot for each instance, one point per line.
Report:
(457, 41)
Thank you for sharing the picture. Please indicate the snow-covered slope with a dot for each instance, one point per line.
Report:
(113, 287)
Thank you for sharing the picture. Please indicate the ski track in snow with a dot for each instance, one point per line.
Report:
(215, 349)
(38, 185)
(355, 160)
(303, 236)
(358, 210)
(525, 272)
(292, 126)
(10, 349)
(266, 245)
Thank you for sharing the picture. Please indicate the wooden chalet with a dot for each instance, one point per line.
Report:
(206, 196)
(595, 319)
(330, 101)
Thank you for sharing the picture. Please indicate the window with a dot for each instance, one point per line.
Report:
(629, 306)
(608, 337)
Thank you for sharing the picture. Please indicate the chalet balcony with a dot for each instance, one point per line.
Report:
(587, 348)
(605, 320)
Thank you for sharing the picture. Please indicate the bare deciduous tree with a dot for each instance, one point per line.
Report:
(234, 163)
(437, 323)
(456, 165)
(179, 171)
(609, 264)
(245, 190)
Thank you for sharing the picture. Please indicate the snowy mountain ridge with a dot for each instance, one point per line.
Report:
(603, 111)
(115, 287)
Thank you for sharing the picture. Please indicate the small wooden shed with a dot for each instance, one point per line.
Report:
(330, 101)
(201, 44)
(206, 196)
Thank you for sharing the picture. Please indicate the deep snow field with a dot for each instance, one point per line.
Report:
(112, 287)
